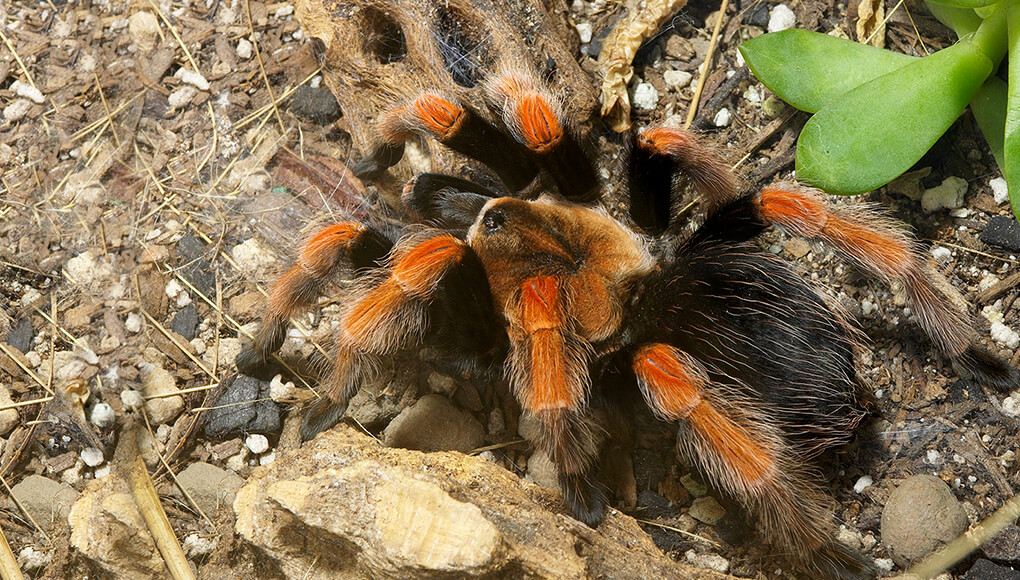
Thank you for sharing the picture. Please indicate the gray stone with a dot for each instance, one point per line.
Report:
(185, 322)
(47, 501)
(1005, 547)
(920, 515)
(315, 104)
(21, 335)
(986, 570)
(1002, 231)
(244, 407)
(211, 487)
(434, 424)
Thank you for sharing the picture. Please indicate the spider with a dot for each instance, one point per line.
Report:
(581, 311)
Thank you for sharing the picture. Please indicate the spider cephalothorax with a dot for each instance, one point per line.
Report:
(579, 311)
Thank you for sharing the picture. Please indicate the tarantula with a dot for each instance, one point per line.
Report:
(580, 311)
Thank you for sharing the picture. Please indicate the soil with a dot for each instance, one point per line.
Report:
(144, 211)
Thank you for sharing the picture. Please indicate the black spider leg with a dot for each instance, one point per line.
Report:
(451, 203)
(570, 169)
(651, 191)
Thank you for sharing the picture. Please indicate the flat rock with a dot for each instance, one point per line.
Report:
(1005, 547)
(1002, 231)
(211, 487)
(343, 506)
(47, 501)
(107, 528)
(707, 509)
(21, 335)
(920, 515)
(160, 381)
(433, 423)
(185, 322)
(244, 407)
(315, 104)
(987, 570)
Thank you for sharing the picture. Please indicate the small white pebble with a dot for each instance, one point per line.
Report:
(941, 254)
(722, 118)
(244, 49)
(1011, 406)
(102, 472)
(284, 11)
(182, 97)
(677, 79)
(1000, 191)
(708, 561)
(28, 91)
(91, 456)
(971, 479)
(102, 415)
(868, 541)
(268, 458)
(781, 18)
(884, 564)
(17, 110)
(32, 559)
(867, 307)
(933, 456)
(195, 79)
(131, 398)
(197, 546)
(849, 538)
(257, 443)
(1004, 335)
(949, 194)
(133, 323)
(584, 32)
(645, 97)
(862, 483)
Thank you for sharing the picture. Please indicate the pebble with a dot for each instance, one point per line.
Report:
(210, 486)
(921, 514)
(1000, 333)
(1005, 547)
(542, 471)
(677, 79)
(176, 292)
(722, 118)
(257, 443)
(941, 254)
(133, 323)
(285, 391)
(862, 483)
(706, 509)
(252, 257)
(44, 499)
(695, 487)
(244, 407)
(988, 570)
(196, 546)
(32, 559)
(1000, 191)
(1002, 231)
(17, 110)
(21, 335)
(195, 79)
(433, 423)
(781, 18)
(708, 561)
(244, 49)
(28, 91)
(315, 104)
(182, 97)
(160, 381)
(885, 564)
(131, 398)
(9, 418)
(948, 194)
(92, 457)
(584, 32)
(850, 538)
(185, 322)
(645, 97)
(143, 26)
(757, 15)
(1011, 406)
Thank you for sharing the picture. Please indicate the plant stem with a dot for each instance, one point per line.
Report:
(990, 36)
(962, 21)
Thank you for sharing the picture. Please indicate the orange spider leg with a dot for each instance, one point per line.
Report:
(536, 121)
(745, 457)
(870, 239)
(692, 161)
(336, 248)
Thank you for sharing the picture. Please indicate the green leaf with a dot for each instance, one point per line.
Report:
(810, 69)
(963, 21)
(989, 108)
(878, 130)
(964, 3)
(1011, 144)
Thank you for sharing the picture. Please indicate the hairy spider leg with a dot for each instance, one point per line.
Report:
(462, 130)
(745, 457)
(535, 120)
(340, 248)
(450, 202)
(548, 368)
(665, 160)
(869, 238)
(391, 309)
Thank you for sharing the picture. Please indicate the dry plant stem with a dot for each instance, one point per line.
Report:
(962, 546)
(703, 77)
(148, 504)
(617, 55)
(9, 569)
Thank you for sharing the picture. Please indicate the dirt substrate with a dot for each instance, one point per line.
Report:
(145, 208)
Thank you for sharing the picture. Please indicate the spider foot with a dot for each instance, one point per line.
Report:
(585, 499)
